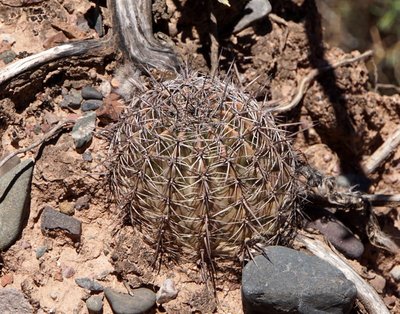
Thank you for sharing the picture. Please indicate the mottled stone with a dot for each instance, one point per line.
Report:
(83, 129)
(91, 104)
(94, 304)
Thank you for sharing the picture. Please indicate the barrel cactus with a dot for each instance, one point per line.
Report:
(203, 170)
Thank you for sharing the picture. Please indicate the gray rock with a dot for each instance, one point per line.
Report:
(288, 281)
(88, 92)
(72, 100)
(87, 156)
(89, 284)
(13, 301)
(40, 251)
(83, 129)
(15, 188)
(8, 56)
(395, 273)
(141, 301)
(257, 10)
(82, 202)
(52, 219)
(95, 304)
(339, 235)
(91, 104)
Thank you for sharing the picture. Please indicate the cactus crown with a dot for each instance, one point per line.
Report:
(203, 170)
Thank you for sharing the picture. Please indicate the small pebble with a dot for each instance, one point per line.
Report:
(167, 291)
(89, 284)
(82, 202)
(40, 251)
(54, 295)
(88, 92)
(67, 208)
(87, 156)
(141, 301)
(68, 272)
(6, 279)
(92, 104)
(94, 304)
(72, 100)
(395, 273)
(58, 276)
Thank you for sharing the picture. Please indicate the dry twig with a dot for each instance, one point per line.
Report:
(305, 82)
(365, 293)
(50, 134)
(376, 159)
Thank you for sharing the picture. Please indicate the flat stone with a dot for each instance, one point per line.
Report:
(88, 92)
(89, 284)
(141, 301)
(13, 301)
(94, 304)
(15, 188)
(52, 219)
(288, 281)
(83, 129)
(91, 104)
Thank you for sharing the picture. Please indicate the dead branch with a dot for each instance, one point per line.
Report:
(382, 199)
(36, 60)
(50, 134)
(365, 293)
(306, 81)
(383, 152)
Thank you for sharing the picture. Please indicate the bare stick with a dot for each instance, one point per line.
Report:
(58, 127)
(305, 82)
(382, 199)
(365, 293)
(379, 156)
(38, 59)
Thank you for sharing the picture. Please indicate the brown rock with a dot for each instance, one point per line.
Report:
(111, 109)
(378, 282)
(55, 40)
(6, 279)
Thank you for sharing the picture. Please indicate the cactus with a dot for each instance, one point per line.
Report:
(203, 170)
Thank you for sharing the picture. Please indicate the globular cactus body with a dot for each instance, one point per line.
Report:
(202, 169)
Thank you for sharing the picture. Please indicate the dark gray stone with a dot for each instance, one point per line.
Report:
(140, 302)
(13, 301)
(52, 219)
(89, 284)
(288, 281)
(339, 235)
(15, 186)
(83, 129)
(95, 304)
(72, 100)
(91, 104)
(88, 92)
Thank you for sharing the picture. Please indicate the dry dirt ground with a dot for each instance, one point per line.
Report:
(340, 122)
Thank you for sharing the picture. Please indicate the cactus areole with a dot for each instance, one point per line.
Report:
(203, 169)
